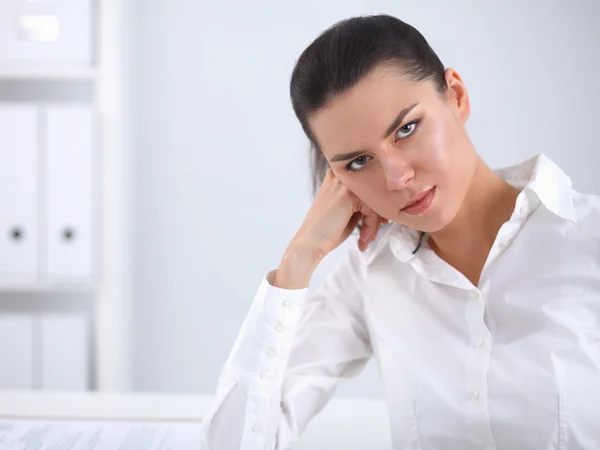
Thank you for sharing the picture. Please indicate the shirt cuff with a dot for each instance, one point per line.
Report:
(261, 351)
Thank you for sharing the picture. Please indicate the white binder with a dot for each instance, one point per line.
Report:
(16, 351)
(38, 31)
(69, 183)
(19, 193)
(64, 352)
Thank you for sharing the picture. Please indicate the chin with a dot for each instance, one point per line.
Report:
(427, 226)
(431, 227)
(443, 219)
(432, 223)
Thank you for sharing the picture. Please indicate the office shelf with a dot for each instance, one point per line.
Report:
(46, 72)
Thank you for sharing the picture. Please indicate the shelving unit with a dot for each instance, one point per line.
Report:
(105, 293)
(44, 72)
(46, 287)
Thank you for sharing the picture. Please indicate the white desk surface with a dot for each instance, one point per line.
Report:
(344, 423)
(92, 405)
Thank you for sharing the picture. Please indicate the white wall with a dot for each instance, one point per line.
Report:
(220, 171)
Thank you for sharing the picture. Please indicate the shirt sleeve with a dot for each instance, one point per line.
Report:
(291, 353)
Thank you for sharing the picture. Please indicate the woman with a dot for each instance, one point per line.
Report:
(480, 301)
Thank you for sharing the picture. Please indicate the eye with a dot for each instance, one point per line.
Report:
(358, 163)
(406, 130)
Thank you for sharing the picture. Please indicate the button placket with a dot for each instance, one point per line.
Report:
(474, 295)
(270, 368)
(265, 375)
(504, 239)
(286, 303)
(258, 410)
(279, 327)
(288, 313)
(475, 393)
(479, 343)
(272, 359)
(282, 314)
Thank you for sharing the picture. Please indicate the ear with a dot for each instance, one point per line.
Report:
(457, 94)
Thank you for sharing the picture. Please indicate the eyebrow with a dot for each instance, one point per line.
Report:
(395, 124)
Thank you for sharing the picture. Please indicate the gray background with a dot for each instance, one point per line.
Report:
(220, 174)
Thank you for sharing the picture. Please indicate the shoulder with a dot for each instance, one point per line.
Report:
(587, 210)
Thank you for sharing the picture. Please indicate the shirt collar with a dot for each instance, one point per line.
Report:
(538, 175)
(547, 181)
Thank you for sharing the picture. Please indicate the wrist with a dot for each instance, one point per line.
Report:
(302, 253)
(297, 267)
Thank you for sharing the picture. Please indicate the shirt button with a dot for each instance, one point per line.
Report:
(479, 343)
(504, 244)
(475, 394)
(286, 304)
(523, 211)
(265, 375)
(256, 428)
(271, 353)
(279, 327)
(474, 295)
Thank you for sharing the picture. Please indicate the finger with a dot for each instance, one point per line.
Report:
(357, 206)
(352, 223)
(369, 230)
(380, 220)
(366, 210)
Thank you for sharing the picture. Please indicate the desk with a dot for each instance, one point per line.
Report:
(344, 423)
(92, 405)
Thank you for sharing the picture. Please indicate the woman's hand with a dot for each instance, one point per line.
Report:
(333, 216)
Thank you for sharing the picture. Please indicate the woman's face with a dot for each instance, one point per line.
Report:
(391, 141)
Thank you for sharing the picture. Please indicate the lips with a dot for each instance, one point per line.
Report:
(420, 203)
(417, 199)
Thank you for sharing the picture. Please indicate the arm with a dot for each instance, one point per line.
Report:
(290, 355)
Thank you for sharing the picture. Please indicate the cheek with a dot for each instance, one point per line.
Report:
(454, 159)
(360, 186)
(433, 149)
(370, 189)
(445, 155)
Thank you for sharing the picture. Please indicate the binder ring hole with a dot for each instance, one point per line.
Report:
(68, 234)
(17, 233)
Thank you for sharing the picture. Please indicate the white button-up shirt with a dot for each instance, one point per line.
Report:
(513, 363)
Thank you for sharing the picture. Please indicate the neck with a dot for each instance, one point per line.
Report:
(488, 204)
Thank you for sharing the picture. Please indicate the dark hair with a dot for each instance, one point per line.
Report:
(343, 55)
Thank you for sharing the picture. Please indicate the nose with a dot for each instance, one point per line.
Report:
(398, 172)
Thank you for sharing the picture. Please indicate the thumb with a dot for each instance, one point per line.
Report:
(370, 227)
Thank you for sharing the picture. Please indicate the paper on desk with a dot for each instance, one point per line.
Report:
(98, 435)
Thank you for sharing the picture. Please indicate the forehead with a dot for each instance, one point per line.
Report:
(358, 118)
